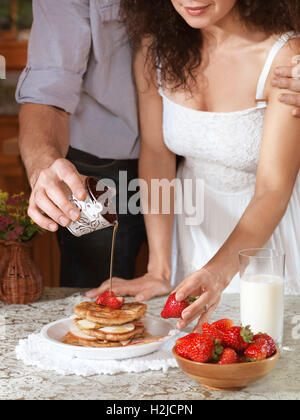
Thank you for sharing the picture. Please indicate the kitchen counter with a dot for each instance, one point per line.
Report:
(18, 381)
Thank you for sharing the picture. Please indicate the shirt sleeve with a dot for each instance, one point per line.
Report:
(58, 54)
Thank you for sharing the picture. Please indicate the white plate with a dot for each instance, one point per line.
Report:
(55, 331)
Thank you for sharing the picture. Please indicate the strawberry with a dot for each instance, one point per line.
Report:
(182, 344)
(270, 341)
(258, 350)
(228, 357)
(201, 348)
(198, 347)
(238, 338)
(209, 329)
(223, 325)
(110, 299)
(173, 308)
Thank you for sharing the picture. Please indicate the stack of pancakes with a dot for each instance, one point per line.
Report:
(101, 326)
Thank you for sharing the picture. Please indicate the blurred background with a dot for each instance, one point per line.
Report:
(15, 24)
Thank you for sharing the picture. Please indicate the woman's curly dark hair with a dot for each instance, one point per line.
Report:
(175, 47)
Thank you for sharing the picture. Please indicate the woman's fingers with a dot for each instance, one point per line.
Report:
(120, 287)
(205, 317)
(191, 286)
(104, 286)
(152, 290)
(196, 308)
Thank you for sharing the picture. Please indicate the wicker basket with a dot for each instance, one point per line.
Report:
(20, 280)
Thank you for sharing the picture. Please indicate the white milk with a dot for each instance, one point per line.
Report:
(262, 304)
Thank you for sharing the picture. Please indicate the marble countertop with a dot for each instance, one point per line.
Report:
(18, 381)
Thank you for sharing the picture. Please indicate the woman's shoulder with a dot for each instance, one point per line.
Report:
(289, 50)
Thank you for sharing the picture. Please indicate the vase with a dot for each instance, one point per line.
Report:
(20, 280)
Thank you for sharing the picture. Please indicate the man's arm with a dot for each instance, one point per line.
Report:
(44, 142)
(49, 90)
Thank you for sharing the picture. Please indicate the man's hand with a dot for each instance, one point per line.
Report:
(143, 288)
(285, 78)
(49, 204)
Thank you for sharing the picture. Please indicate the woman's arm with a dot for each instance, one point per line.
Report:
(277, 171)
(156, 162)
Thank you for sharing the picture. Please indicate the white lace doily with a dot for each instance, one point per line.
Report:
(35, 351)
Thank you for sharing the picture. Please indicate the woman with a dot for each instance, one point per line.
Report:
(203, 72)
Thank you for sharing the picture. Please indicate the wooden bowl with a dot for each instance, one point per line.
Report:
(227, 377)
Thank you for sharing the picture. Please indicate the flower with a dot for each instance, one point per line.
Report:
(12, 235)
(19, 230)
(3, 195)
(5, 221)
(15, 224)
(15, 200)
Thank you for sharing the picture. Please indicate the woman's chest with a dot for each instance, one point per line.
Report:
(228, 139)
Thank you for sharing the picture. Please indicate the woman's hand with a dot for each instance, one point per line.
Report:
(209, 288)
(143, 288)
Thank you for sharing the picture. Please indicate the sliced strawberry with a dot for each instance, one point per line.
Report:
(115, 302)
(102, 298)
(111, 300)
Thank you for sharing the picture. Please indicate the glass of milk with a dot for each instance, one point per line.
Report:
(262, 291)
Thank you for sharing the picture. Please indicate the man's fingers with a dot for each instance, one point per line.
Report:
(67, 173)
(290, 99)
(284, 71)
(43, 221)
(47, 207)
(285, 83)
(296, 112)
(59, 198)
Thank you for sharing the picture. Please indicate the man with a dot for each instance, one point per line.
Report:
(77, 91)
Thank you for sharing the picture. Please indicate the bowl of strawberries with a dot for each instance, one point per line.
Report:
(226, 356)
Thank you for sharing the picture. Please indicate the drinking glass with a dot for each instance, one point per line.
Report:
(262, 291)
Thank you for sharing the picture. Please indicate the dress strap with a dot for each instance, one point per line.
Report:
(267, 67)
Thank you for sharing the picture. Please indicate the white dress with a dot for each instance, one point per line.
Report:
(223, 150)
